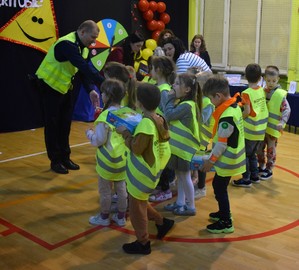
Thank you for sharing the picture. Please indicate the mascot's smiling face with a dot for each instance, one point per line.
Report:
(34, 26)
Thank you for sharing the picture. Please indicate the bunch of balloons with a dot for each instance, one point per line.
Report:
(154, 14)
(146, 53)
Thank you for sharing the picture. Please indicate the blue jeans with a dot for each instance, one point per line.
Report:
(251, 159)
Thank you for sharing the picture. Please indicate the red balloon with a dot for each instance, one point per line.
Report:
(155, 35)
(161, 7)
(153, 5)
(164, 17)
(160, 25)
(143, 5)
(148, 15)
(152, 25)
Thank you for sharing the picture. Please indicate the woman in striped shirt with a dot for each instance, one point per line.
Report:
(175, 49)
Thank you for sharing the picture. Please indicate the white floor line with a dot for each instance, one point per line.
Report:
(39, 153)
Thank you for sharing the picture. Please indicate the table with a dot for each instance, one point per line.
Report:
(293, 100)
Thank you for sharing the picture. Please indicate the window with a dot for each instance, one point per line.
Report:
(239, 32)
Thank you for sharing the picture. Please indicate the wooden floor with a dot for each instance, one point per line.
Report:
(44, 216)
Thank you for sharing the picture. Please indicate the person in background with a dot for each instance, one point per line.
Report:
(175, 49)
(129, 52)
(67, 56)
(163, 72)
(228, 153)
(198, 47)
(166, 33)
(279, 113)
(110, 157)
(182, 111)
(148, 155)
(255, 115)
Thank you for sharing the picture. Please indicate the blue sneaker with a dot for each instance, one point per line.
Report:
(184, 211)
(171, 206)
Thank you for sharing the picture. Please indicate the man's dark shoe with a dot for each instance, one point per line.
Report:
(137, 248)
(164, 228)
(59, 168)
(70, 165)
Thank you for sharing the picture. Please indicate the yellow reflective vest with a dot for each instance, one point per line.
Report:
(233, 160)
(274, 112)
(206, 130)
(255, 127)
(111, 163)
(163, 87)
(183, 142)
(142, 179)
(58, 75)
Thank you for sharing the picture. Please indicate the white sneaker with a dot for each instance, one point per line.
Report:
(200, 193)
(161, 196)
(98, 220)
(121, 222)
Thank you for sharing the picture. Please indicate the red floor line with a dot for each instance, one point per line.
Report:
(14, 229)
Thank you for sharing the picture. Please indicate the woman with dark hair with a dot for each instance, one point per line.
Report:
(198, 47)
(129, 51)
(175, 49)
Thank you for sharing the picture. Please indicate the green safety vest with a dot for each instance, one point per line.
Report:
(142, 179)
(111, 163)
(58, 75)
(206, 131)
(184, 143)
(274, 112)
(233, 161)
(163, 87)
(255, 127)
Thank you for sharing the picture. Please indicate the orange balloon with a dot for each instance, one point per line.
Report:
(143, 5)
(160, 25)
(156, 34)
(153, 5)
(164, 17)
(161, 7)
(148, 15)
(152, 25)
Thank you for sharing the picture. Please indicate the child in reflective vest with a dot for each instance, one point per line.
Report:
(110, 157)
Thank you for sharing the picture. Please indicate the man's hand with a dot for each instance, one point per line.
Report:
(120, 129)
(94, 97)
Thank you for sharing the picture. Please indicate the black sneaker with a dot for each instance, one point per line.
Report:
(242, 183)
(70, 165)
(137, 248)
(164, 228)
(255, 180)
(266, 175)
(221, 226)
(59, 168)
(215, 216)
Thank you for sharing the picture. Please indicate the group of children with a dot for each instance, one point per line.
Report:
(176, 124)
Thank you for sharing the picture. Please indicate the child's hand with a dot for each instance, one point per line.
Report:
(279, 127)
(89, 132)
(120, 129)
(207, 166)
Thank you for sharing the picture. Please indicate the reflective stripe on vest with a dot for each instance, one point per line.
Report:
(111, 163)
(233, 161)
(142, 179)
(255, 127)
(274, 112)
(184, 143)
(58, 75)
